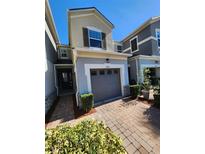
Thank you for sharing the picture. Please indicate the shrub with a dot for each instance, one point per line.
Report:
(87, 137)
(135, 90)
(87, 101)
(147, 79)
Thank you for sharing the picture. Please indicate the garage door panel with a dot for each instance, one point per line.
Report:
(105, 85)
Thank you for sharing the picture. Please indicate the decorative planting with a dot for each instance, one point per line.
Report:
(87, 137)
(87, 101)
(135, 90)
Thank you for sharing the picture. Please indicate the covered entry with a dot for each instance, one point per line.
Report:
(105, 84)
(64, 78)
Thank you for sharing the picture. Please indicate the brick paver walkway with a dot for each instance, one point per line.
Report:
(63, 112)
(136, 123)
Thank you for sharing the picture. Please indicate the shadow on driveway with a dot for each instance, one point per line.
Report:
(153, 115)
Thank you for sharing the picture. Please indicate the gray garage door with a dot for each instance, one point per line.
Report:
(105, 84)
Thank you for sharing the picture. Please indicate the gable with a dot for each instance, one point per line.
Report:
(83, 13)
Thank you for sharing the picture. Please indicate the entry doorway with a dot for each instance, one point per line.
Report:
(64, 80)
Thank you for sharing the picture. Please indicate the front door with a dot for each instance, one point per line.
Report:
(65, 81)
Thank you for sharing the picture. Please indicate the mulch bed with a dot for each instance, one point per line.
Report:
(81, 113)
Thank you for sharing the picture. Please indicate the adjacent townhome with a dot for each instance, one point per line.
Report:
(98, 67)
(51, 40)
(144, 45)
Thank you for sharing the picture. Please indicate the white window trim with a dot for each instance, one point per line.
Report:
(60, 54)
(97, 30)
(157, 30)
(137, 44)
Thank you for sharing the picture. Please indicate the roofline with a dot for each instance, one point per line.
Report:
(141, 27)
(51, 23)
(91, 8)
(102, 52)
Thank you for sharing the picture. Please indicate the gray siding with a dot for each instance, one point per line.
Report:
(144, 33)
(51, 58)
(51, 53)
(148, 48)
(155, 49)
(154, 26)
(133, 70)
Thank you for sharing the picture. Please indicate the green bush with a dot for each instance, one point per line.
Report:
(87, 137)
(87, 101)
(147, 79)
(135, 90)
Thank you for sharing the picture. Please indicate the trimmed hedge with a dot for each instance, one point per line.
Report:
(135, 90)
(87, 137)
(87, 101)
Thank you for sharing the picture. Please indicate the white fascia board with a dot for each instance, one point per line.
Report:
(102, 51)
(145, 57)
(50, 36)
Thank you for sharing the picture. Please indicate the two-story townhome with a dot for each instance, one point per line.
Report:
(144, 45)
(98, 67)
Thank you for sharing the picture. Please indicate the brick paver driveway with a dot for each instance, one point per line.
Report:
(136, 123)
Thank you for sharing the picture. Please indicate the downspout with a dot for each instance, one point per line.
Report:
(75, 58)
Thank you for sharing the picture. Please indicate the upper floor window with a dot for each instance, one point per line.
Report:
(95, 38)
(158, 37)
(63, 53)
(134, 44)
(92, 37)
(119, 48)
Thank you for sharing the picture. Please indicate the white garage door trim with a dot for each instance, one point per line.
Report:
(88, 67)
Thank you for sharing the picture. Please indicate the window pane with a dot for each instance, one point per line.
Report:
(65, 77)
(64, 55)
(116, 71)
(158, 34)
(102, 72)
(119, 47)
(109, 71)
(158, 38)
(95, 43)
(158, 42)
(93, 72)
(94, 34)
(134, 44)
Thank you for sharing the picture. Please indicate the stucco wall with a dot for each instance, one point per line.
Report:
(81, 74)
(76, 30)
